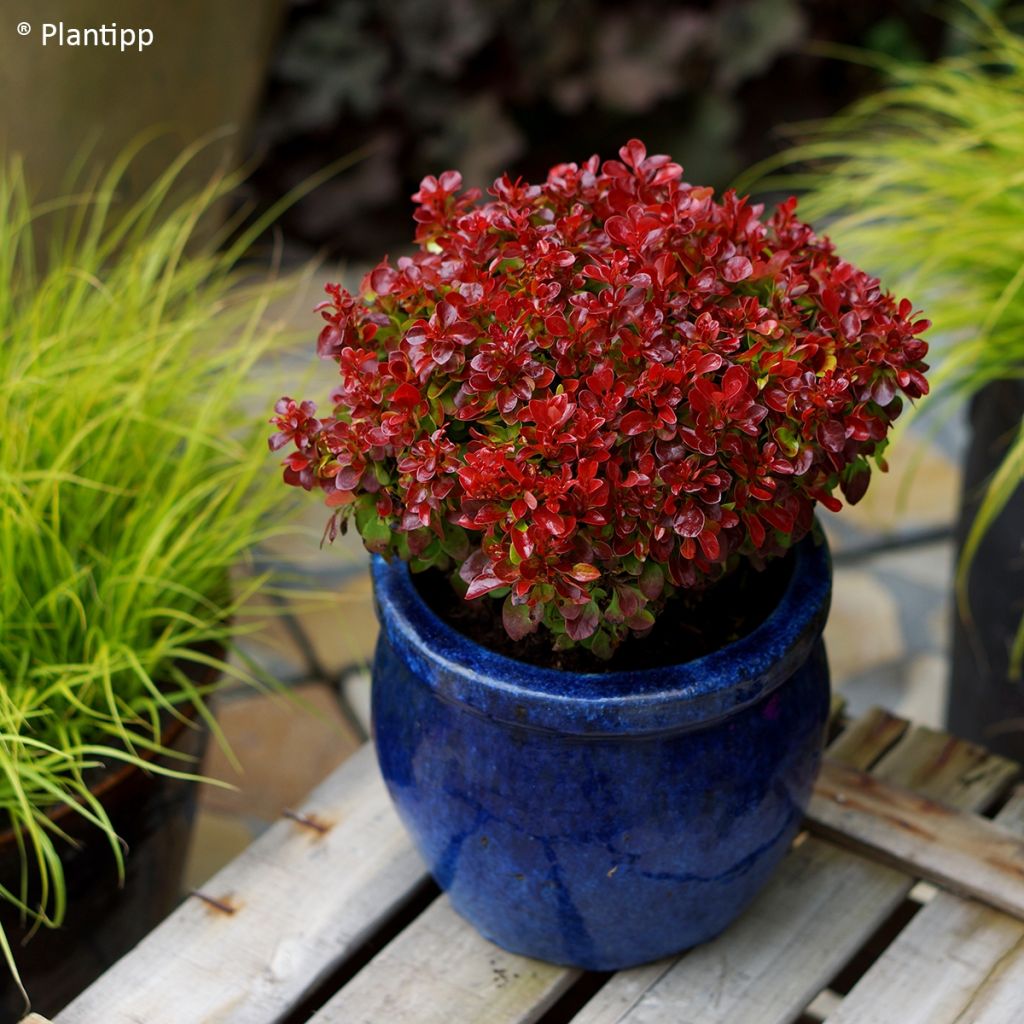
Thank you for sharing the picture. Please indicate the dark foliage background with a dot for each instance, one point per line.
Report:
(489, 85)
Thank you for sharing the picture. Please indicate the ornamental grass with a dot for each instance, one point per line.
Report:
(132, 480)
(924, 182)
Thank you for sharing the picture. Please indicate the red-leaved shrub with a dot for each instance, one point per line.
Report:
(587, 393)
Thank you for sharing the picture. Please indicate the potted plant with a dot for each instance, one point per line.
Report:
(129, 488)
(923, 182)
(593, 417)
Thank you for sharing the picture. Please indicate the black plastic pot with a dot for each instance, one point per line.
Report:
(985, 704)
(153, 814)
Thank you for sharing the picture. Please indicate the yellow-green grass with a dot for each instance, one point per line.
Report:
(924, 183)
(133, 476)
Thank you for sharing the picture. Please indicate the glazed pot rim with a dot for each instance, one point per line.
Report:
(667, 698)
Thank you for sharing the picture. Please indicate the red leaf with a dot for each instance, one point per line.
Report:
(484, 584)
(757, 531)
(856, 484)
(735, 381)
(382, 280)
(619, 230)
(737, 269)
(689, 522)
(585, 624)
(709, 544)
(884, 390)
(550, 521)
(850, 325)
(633, 153)
(708, 363)
(556, 325)
(777, 517)
(522, 542)
(636, 422)
(336, 498)
(406, 395)
(832, 435)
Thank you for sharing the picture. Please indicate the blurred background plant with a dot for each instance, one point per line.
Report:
(490, 85)
(924, 182)
(203, 74)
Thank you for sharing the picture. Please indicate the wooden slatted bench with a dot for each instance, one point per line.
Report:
(331, 918)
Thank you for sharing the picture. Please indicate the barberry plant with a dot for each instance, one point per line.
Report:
(586, 394)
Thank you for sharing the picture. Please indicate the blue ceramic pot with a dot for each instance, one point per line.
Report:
(602, 820)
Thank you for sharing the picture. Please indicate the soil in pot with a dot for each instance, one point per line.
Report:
(692, 624)
(153, 814)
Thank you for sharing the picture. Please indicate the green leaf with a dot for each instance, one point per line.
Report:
(641, 621)
(600, 645)
(787, 441)
(376, 534)
(652, 580)
(519, 620)
(455, 542)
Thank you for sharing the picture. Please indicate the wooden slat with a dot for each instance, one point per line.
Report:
(957, 960)
(773, 961)
(275, 921)
(440, 971)
(1001, 994)
(867, 738)
(958, 851)
(815, 914)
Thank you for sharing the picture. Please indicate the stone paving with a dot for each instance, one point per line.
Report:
(887, 634)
